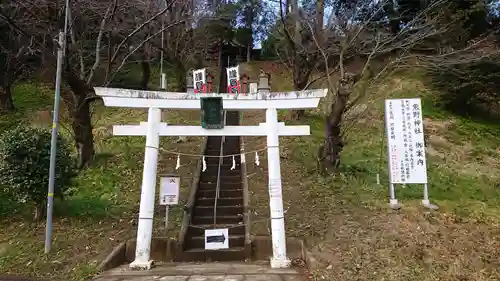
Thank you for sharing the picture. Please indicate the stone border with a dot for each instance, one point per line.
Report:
(115, 258)
(164, 249)
(188, 208)
(262, 248)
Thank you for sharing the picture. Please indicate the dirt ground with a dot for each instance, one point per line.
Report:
(354, 236)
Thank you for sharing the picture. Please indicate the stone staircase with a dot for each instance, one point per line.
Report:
(226, 210)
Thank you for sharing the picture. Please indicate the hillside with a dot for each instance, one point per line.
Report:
(102, 212)
(344, 219)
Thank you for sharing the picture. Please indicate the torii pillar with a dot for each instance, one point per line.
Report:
(279, 259)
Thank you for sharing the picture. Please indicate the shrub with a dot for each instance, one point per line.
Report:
(471, 89)
(24, 165)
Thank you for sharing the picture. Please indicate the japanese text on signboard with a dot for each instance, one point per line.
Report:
(233, 83)
(407, 163)
(199, 79)
(169, 190)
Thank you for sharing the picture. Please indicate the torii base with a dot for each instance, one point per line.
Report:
(281, 263)
(140, 265)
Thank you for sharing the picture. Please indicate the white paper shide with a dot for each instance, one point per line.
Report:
(405, 141)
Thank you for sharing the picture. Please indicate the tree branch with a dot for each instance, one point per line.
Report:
(139, 28)
(112, 7)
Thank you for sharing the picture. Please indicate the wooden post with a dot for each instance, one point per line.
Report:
(210, 79)
(189, 81)
(244, 84)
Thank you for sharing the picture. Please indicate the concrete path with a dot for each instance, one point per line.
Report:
(203, 272)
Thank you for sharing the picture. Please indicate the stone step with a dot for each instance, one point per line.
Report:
(199, 230)
(198, 242)
(227, 156)
(228, 201)
(226, 167)
(256, 270)
(221, 210)
(223, 193)
(227, 147)
(221, 219)
(225, 177)
(202, 255)
(222, 185)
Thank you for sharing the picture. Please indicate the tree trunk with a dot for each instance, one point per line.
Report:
(146, 69)
(249, 52)
(6, 102)
(333, 143)
(82, 128)
(146, 74)
(181, 77)
(81, 121)
(320, 14)
(329, 152)
(299, 83)
(39, 212)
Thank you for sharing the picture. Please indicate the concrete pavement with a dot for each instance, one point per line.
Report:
(203, 272)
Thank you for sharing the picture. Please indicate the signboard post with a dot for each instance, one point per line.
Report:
(169, 193)
(216, 239)
(406, 147)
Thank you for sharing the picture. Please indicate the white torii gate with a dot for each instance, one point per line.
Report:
(154, 128)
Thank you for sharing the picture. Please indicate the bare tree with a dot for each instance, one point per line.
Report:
(103, 36)
(16, 60)
(297, 49)
(357, 31)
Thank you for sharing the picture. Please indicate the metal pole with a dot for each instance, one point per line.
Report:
(166, 216)
(163, 84)
(55, 127)
(393, 202)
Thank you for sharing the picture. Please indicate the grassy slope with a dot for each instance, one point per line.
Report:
(103, 211)
(345, 219)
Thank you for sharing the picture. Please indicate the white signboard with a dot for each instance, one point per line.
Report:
(169, 190)
(199, 80)
(253, 88)
(233, 77)
(216, 239)
(405, 141)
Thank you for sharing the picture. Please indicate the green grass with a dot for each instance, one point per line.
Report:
(27, 97)
(97, 200)
(344, 218)
(102, 209)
